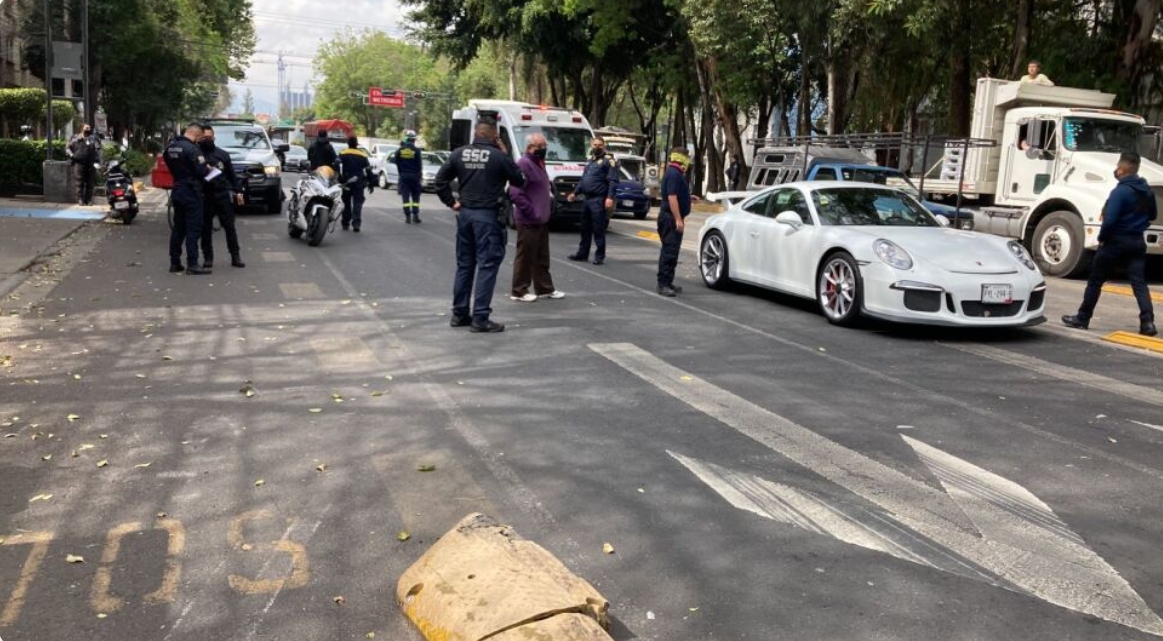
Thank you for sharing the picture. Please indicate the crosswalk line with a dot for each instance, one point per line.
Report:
(296, 291)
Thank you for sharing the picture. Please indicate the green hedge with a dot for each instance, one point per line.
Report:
(26, 107)
(21, 163)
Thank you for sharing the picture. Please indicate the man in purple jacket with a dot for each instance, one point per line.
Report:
(531, 206)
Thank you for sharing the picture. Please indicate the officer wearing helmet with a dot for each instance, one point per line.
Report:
(408, 161)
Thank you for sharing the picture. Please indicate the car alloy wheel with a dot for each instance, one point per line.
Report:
(713, 261)
(838, 290)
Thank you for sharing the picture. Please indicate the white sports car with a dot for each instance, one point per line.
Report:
(872, 250)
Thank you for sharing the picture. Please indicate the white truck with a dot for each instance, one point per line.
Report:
(1046, 180)
(567, 132)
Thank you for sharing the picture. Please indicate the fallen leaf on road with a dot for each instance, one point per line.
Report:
(426, 467)
(247, 389)
(607, 548)
(76, 377)
(73, 417)
(686, 378)
(339, 600)
(103, 436)
(693, 609)
(370, 635)
(246, 547)
(167, 358)
(46, 457)
(321, 468)
(315, 410)
(103, 463)
(5, 361)
(388, 377)
(649, 615)
(102, 615)
(71, 558)
(142, 466)
(377, 394)
(403, 535)
(86, 446)
(162, 515)
(9, 436)
(260, 483)
(1111, 439)
(40, 497)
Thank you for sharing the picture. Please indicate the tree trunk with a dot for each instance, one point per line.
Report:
(804, 122)
(1019, 54)
(678, 135)
(1136, 43)
(959, 71)
(728, 118)
(839, 88)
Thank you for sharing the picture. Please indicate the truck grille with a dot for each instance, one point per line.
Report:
(564, 186)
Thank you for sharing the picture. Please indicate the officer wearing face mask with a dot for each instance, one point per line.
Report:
(222, 194)
(676, 206)
(598, 186)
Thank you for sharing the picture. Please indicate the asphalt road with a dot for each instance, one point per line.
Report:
(759, 473)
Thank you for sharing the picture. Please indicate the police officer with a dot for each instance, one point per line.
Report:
(222, 194)
(355, 175)
(188, 166)
(321, 153)
(408, 161)
(1128, 213)
(481, 169)
(598, 185)
(84, 151)
(676, 206)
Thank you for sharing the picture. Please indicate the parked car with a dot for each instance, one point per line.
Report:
(432, 162)
(631, 197)
(296, 159)
(385, 171)
(255, 158)
(867, 250)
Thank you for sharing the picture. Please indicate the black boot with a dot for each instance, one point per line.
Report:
(236, 261)
(487, 327)
(1075, 322)
(197, 271)
(177, 268)
(208, 262)
(1147, 328)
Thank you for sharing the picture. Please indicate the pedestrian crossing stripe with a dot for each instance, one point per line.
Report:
(1123, 290)
(1135, 340)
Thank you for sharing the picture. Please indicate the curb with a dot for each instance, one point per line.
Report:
(9, 283)
(482, 580)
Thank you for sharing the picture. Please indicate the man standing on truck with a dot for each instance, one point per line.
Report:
(408, 161)
(598, 185)
(676, 206)
(1034, 75)
(1128, 213)
(481, 169)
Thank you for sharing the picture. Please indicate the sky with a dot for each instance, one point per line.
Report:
(297, 27)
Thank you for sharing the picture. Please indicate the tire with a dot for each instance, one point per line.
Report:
(128, 216)
(714, 261)
(840, 290)
(275, 205)
(317, 228)
(1059, 245)
(641, 215)
(383, 181)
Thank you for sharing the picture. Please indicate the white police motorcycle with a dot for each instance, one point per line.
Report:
(314, 205)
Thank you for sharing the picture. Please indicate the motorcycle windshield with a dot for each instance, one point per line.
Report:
(327, 175)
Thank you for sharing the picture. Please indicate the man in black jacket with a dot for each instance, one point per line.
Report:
(355, 174)
(85, 153)
(1127, 214)
(481, 169)
(321, 153)
(222, 194)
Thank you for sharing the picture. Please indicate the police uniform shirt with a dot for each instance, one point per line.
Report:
(354, 162)
(228, 181)
(185, 161)
(600, 179)
(674, 184)
(407, 159)
(482, 169)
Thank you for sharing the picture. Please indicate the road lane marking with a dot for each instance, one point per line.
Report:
(1123, 290)
(296, 291)
(263, 236)
(341, 355)
(1135, 340)
(984, 518)
(1149, 425)
(39, 542)
(649, 235)
(1070, 374)
(278, 257)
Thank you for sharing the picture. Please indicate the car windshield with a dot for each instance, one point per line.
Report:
(881, 177)
(1098, 134)
(566, 144)
(870, 206)
(432, 161)
(240, 137)
(296, 150)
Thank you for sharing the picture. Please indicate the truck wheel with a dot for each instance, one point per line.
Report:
(1059, 245)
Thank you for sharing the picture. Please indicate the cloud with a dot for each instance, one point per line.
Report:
(297, 27)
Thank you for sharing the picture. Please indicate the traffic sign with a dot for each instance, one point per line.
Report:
(377, 97)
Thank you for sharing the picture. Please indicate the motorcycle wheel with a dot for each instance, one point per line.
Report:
(294, 231)
(317, 227)
(128, 216)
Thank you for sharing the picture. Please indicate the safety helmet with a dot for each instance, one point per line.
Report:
(326, 173)
(410, 135)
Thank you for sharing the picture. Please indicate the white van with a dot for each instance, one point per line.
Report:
(567, 131)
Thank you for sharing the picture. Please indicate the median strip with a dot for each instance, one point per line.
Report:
(1123, 290)
(1135, 340)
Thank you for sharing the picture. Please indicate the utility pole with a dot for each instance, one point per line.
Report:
(90, 112)
(48, 135)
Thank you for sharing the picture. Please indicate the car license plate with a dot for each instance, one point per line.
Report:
(121, 204)
(997, 294)
(627, 203)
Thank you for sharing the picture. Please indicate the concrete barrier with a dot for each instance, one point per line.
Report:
(58, 182)
(481, 580)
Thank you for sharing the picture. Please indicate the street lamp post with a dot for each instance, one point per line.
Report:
(90, 113)
(48, 119)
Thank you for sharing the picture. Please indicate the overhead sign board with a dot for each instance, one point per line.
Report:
(377, 97)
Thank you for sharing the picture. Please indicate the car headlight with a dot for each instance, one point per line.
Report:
(892, 254)
(1023, 256)
(271, 170)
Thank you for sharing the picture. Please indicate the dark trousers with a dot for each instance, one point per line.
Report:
(531, 264)
(353, 206)
(410, 190)
(84, 173)
(1129, 252)
(188, 218)
(671, 245)
(594, 221)
(219, 205)
(480, 248)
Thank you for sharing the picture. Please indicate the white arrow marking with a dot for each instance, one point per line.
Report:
(1008, 532)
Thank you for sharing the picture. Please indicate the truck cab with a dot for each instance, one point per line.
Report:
(567, 132)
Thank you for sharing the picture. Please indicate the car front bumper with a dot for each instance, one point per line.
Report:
(901, 296)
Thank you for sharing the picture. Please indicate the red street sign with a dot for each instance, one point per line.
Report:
(377, 97)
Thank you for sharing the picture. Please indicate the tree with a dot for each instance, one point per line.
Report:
(248, 102)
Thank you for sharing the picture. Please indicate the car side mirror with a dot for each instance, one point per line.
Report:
(282, 149)
(943, 220)
(790, 218)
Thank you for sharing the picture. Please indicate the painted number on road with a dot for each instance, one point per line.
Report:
(299, 572)
(39, 542)
(104, 600)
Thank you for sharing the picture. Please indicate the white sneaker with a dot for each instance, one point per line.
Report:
(527, 298)
(554, 294)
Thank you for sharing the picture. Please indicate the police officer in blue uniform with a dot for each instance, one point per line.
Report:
(408, 161)
(222, 194)
(676, 206)
(354, 171)
(188, 166)
(481, 169)
(598, 186)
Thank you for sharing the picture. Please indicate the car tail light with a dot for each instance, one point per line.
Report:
(118, 192)
(577, 118)
(526, 116)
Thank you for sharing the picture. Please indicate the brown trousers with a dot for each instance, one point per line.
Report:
(531, 265)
